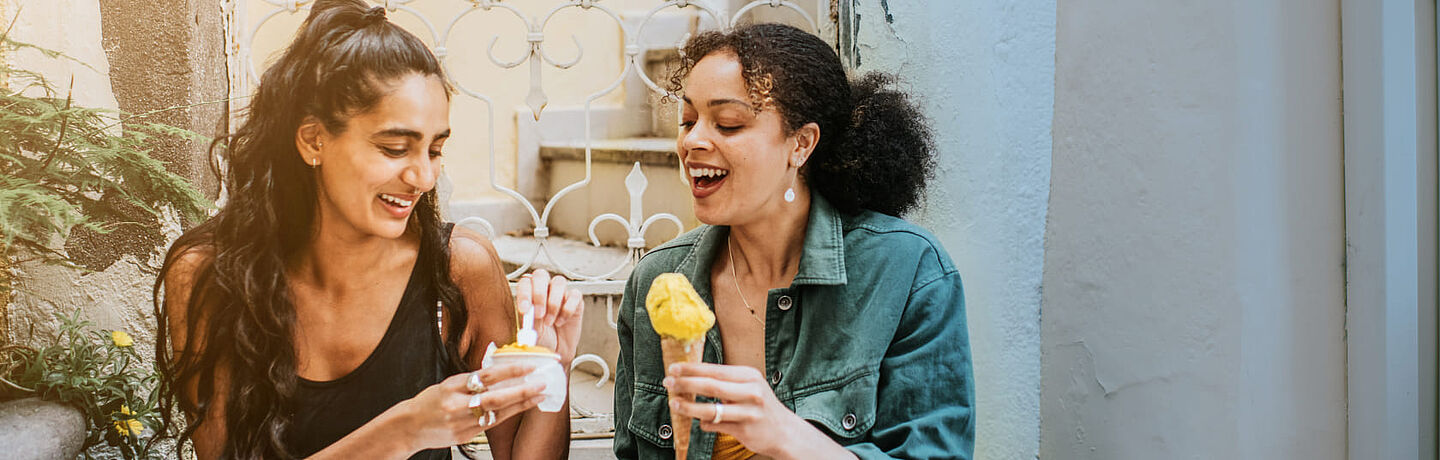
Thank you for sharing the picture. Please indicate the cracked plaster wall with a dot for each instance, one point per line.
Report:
(71, 27)
(1193, 280)
(983, 72)
(136, 59)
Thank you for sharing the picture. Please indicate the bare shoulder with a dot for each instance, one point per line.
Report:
(184, 263)
(473, 257)
(183, 267)
(476, 269)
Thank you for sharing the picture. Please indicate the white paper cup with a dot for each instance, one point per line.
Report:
(547, 370)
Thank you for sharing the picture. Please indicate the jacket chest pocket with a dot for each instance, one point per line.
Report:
(650, 415)
(845, 408)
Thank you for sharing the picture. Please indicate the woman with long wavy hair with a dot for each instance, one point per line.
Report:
(326, 311)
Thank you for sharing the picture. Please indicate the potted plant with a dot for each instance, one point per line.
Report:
(96, 372)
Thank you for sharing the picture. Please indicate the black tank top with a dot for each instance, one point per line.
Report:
(409, 358)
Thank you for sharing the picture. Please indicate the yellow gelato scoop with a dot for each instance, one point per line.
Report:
(521, 348)
(676, 310)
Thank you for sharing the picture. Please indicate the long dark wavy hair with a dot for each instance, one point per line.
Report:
(239, 304)
(875, 150)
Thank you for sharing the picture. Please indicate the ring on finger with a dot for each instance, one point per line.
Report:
(487, 419)
(474, 384)
(719, 412)
(474, 404)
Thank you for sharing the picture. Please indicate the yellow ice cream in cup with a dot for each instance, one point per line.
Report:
(547, 370)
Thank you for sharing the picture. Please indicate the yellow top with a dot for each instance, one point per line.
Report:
(729, 448)
(676, 310)
(518, 348)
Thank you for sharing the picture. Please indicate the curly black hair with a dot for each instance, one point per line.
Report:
(875, 150)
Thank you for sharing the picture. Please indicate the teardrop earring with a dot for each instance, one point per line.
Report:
(790, 192)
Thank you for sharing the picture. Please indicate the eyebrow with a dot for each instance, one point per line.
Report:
(410, 133)
(719, 102)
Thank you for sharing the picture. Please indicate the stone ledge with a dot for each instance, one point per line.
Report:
(650, 151)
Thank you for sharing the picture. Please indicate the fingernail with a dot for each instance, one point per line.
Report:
(674, 369)
(669, 382)
(674, 405)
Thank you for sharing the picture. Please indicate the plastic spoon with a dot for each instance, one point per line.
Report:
(527, 335)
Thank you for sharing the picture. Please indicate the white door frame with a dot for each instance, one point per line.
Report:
(1390, 133)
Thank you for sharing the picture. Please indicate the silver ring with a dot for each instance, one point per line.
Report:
(719, 412)
(487, 419)
(474, 384)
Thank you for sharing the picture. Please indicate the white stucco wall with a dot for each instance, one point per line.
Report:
(119, 297)
(1193, 278)
(984, 72)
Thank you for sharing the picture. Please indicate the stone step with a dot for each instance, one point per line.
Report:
(577, 255)
(656, 151)
(580, 449)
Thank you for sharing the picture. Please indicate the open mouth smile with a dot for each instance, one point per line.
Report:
(399, 205)
(704, 181)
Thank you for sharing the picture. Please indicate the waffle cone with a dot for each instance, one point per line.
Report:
(680, 351)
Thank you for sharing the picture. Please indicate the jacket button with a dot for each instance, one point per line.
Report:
(665, 432)
(775, 378)
(785, 302)
(848, 422)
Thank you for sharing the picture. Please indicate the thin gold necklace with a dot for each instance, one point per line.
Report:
(730, 251)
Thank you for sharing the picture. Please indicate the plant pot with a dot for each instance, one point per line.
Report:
(32, 428)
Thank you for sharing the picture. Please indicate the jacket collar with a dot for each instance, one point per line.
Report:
(822, 258)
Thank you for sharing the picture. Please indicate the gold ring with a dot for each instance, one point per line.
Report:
(474, 404)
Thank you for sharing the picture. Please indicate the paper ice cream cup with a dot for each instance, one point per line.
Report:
(547, 370)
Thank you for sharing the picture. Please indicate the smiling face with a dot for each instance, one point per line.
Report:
(373, 173)
(739, 161)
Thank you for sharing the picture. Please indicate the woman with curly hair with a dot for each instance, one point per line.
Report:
(840, 328)
(326, 311)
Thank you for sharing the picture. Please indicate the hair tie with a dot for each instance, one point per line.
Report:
(374, 15)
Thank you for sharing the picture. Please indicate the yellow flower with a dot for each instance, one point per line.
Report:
(129, 427)
(121, 339)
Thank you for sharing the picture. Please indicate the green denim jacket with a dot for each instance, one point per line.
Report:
(869, 343)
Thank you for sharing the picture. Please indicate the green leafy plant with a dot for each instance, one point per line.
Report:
(64, 167)
(98, 372)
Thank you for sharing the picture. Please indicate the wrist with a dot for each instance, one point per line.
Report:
(805, 441)
(397, 429)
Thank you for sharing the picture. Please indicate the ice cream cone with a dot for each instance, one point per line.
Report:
(673, 351)
(681, 318)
